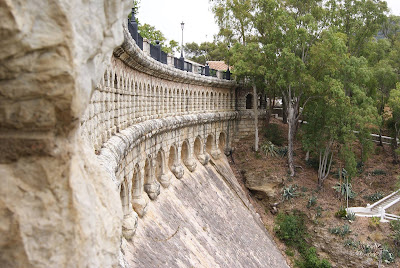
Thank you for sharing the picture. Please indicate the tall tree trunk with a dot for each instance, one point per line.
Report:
(284, 111)
(291, 119)
(324, 165)
(255, 107)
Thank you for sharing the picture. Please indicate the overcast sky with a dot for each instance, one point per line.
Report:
(167, 15)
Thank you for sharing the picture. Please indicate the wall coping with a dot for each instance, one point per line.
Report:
(134, 57)
(119, 145)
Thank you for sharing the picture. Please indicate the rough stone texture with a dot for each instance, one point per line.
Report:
(202, 220)
(147, 123)
(264, 186)
(58, 208)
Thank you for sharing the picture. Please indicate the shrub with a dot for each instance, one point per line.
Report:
(374, 222)
(374, 197)
(387, 256)
(311, 201)
(341, 213)
(274, 134)
(395, 226)
(313, 163)
(289, 192)
(290, 228)
(350, 216)
(318, 212)
(343, 189)
(311, 260)
(282, 151)
(269, 149)
(341, 231)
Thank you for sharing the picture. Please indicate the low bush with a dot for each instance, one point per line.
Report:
(291, 229)
(269, 149)
(311, 201)
(374, 197)
(350, 216)
(374, 222)
(289, 192)
(311, 260)
(274, 134)
(387, 256)
(341, 213)
(341, 231)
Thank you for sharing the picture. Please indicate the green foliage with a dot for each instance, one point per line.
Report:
(312, 201)
(374, 197)
(274, 134)
(351, 243)
(282, 151)
(340, 231)
(351, 216)
(313, 162)
(206, 51)
(345, 189)
(152, 34)
(387, 256)
(318, 212)
(395, 226)
(269, 149)
(290, 228)
(311, 260)
(374, 222)
(341, 213)
(290, 192)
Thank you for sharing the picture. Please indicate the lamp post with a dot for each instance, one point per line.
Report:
(228, 72)
(182, 60)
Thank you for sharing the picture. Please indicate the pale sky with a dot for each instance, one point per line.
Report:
(167, 15)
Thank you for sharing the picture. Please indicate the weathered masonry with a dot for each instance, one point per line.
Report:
(148, 122)
(98, 141)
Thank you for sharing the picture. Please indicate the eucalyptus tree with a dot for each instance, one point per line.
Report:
(358, 19)
(335, 120)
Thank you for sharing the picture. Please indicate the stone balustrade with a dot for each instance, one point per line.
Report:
(150, 123)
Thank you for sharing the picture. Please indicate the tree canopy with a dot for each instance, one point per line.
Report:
(335, 61)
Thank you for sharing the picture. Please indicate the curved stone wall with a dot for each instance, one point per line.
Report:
(148, 122)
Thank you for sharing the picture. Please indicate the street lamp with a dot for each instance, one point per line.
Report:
(228, 72)
(182, 26)
(181, 59)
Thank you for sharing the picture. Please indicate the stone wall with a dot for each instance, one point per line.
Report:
(87, 140)
(58, 207)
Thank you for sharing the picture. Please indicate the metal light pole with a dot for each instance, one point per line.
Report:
(182, 26)
(182, 60)
(228, 72)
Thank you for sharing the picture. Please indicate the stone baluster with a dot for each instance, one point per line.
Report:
(152, 187)
(139, 200)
